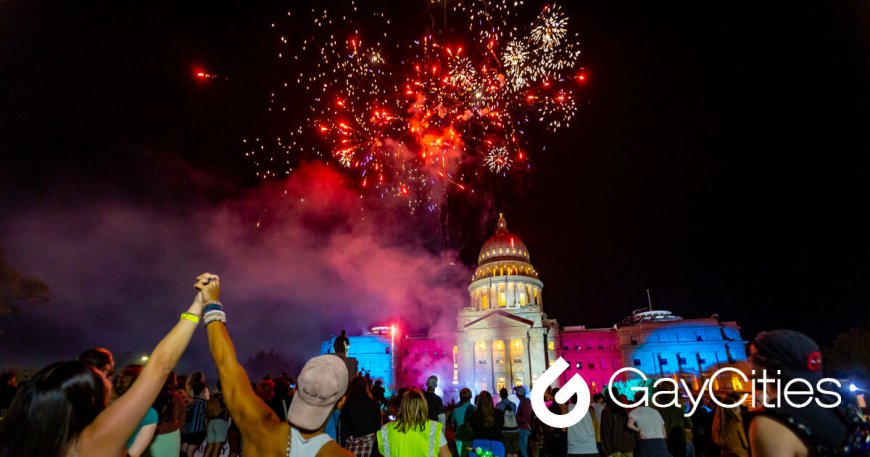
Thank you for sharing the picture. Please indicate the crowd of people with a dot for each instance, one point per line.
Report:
(83, 408)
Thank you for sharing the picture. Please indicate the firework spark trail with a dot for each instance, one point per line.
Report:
(415, 119)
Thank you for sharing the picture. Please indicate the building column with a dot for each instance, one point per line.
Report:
(466, 361)
(537, 353)
(493, 295)
(494, 377)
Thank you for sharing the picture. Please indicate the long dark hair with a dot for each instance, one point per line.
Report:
(52, 408)
(485, 409)
(359, 389)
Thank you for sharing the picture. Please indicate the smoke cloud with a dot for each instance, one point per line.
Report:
(299, 260)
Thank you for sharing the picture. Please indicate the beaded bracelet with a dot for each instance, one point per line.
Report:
(191, 317)
(214, 305)
(212, 312)
(214, 316)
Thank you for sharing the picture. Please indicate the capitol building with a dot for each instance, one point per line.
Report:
(504, 337)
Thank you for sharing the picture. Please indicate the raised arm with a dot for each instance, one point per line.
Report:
(112, 428)
(248, 411)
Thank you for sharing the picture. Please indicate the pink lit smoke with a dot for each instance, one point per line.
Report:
(120, 272)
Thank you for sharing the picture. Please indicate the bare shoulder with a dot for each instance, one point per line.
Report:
(269, 439)
(769, 437)
(332, 449)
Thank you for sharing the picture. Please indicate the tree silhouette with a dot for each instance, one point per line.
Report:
(271, 363)
(849, 354)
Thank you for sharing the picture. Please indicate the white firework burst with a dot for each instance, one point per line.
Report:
(498, 159)
(515, 58)
(550, 28)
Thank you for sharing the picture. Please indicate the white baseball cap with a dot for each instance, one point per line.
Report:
(322, 382)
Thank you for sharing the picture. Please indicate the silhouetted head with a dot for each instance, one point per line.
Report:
(198, 388)
(503, 393)
(282, 388)
(359, 387)
(52, 408)
(122, 383)
(464, 395)
(101, 359)
(195, 377)
(431, 383)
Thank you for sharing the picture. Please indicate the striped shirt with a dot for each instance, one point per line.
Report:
(195, 422)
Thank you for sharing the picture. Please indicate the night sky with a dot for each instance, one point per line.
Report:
(719, 158)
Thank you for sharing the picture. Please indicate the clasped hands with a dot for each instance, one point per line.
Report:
(208, 288)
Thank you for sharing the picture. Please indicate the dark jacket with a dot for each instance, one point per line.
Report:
(525, 414)
(435, 404)
(615, 434)
(280, 405)
(360, 416)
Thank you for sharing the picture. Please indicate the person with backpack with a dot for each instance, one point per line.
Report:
(510, 429)
(809, 430)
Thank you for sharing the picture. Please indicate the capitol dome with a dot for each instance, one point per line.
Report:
(505, 277)
(503, 254)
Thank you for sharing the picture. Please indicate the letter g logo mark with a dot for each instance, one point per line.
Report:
(574, 385)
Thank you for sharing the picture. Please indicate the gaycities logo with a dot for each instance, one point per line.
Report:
(797, 393)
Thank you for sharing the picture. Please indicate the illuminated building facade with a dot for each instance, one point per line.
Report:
(504, 338)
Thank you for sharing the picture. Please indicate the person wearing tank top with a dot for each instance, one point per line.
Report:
(322, 382)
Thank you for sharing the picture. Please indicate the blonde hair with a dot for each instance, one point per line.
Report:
(413, 413)
(213, 408)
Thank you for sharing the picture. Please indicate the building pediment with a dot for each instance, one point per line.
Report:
(499, 319)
